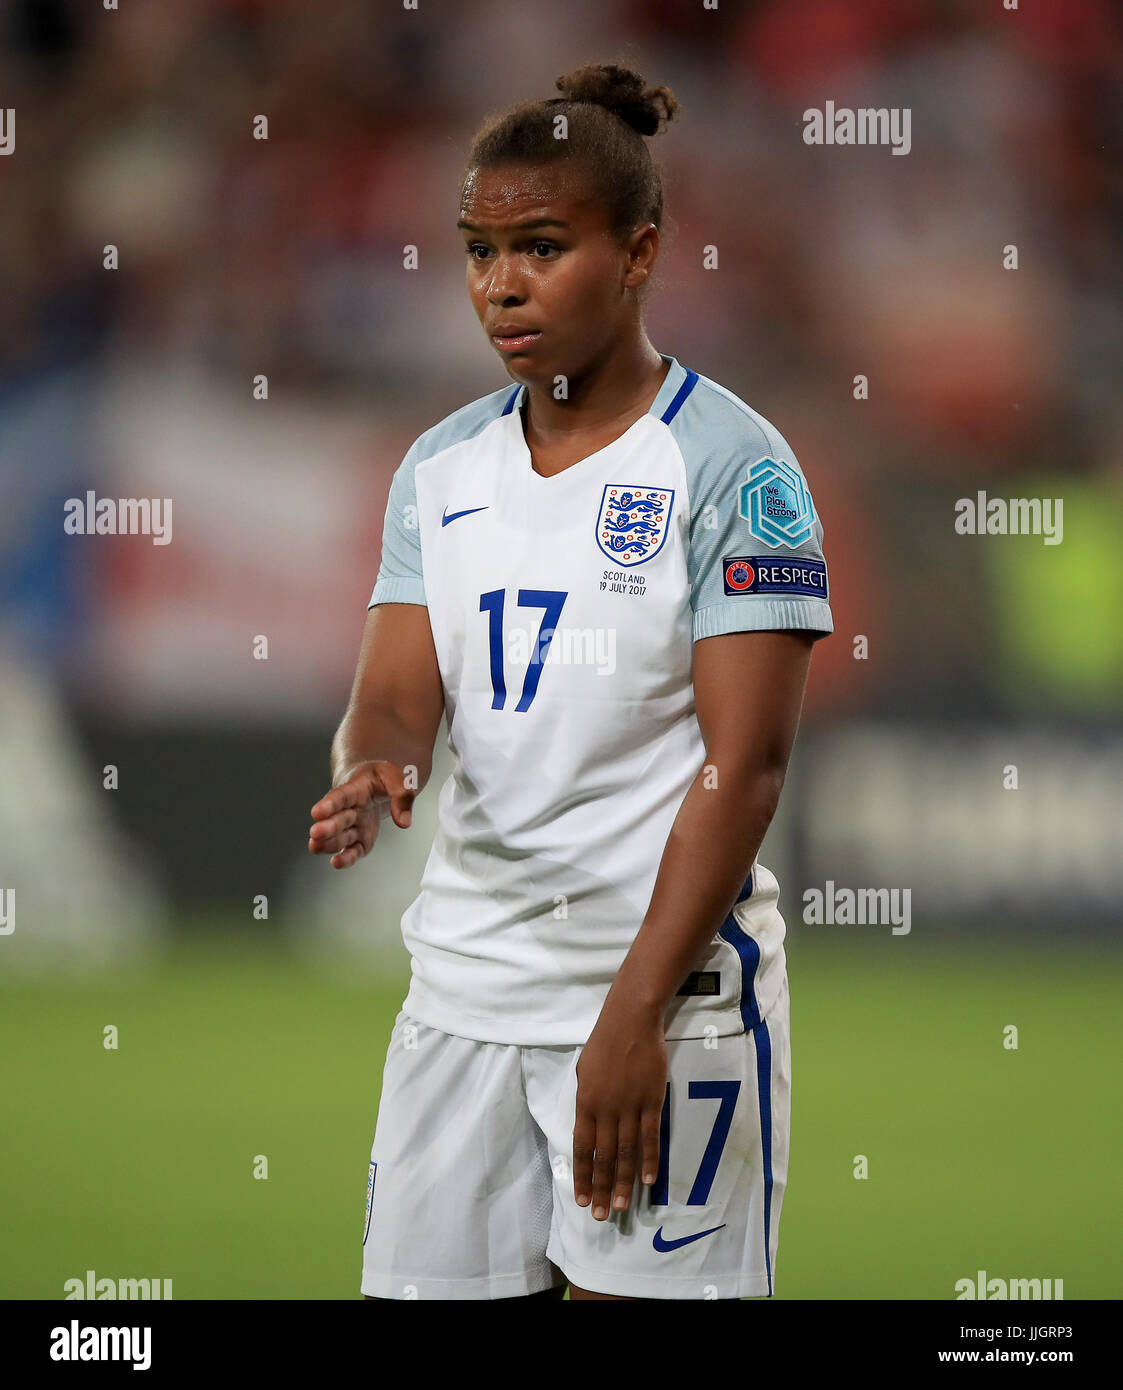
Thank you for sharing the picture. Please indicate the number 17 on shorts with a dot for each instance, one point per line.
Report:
(709, 1225)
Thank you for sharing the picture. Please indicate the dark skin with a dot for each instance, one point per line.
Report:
(542, 256)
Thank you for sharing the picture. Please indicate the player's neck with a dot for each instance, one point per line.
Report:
(610, 393)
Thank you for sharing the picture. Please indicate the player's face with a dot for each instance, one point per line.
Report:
(551, 283)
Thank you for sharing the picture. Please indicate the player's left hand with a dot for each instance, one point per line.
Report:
(621, 1083)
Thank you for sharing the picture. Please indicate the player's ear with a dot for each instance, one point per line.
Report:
(642, 248)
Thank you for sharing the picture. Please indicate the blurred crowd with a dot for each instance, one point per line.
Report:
(134, 128)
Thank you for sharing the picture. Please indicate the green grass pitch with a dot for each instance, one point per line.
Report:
(139, 1162)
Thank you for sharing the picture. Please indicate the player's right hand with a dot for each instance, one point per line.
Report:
(345, 821)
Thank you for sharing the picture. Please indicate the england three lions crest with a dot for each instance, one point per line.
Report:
(632, 521)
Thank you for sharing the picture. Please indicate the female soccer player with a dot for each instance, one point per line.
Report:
(608, 578)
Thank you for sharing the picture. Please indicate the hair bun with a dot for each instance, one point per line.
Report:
(622, 91)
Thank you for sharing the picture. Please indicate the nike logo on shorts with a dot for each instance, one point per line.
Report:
(660, 1244)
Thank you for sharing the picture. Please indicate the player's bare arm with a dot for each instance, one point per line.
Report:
(748, 693)
(382, 753)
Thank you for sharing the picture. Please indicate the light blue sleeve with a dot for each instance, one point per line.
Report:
(400, 579)
(755, 558)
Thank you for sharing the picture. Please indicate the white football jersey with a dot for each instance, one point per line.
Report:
(564, 612)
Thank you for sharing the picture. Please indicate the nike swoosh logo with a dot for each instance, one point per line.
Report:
(660, 1244)
(446, 518)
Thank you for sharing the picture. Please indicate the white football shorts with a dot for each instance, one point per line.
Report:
(470, 1187)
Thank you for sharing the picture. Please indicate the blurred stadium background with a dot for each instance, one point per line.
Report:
(253, 988)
